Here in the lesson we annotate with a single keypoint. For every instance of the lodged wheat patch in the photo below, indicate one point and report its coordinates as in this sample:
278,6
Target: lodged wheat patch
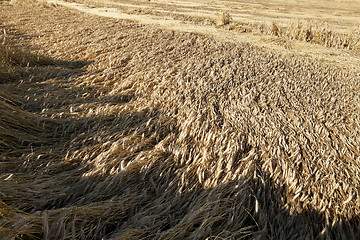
167,135
17,126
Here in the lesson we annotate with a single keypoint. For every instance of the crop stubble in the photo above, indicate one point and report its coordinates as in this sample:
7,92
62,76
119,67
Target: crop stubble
158,135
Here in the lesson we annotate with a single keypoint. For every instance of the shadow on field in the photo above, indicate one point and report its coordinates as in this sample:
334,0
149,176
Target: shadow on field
83,187
131,204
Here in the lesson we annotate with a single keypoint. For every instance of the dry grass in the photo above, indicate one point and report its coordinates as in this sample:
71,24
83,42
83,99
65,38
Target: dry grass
315,32
15,61
42,3
17,127
167,135
223,19
333,31
6,70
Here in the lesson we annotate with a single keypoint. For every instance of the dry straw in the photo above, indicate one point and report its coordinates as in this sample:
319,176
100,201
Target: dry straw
17,126
223,19
27,3
175,136
316,32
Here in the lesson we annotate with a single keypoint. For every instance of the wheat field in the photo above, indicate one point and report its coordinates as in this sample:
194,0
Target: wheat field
113,129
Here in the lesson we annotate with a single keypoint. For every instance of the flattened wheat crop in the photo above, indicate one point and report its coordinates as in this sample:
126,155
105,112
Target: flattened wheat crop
17,126
166,135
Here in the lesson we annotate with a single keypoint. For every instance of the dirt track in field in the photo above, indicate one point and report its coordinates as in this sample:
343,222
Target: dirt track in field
156,134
